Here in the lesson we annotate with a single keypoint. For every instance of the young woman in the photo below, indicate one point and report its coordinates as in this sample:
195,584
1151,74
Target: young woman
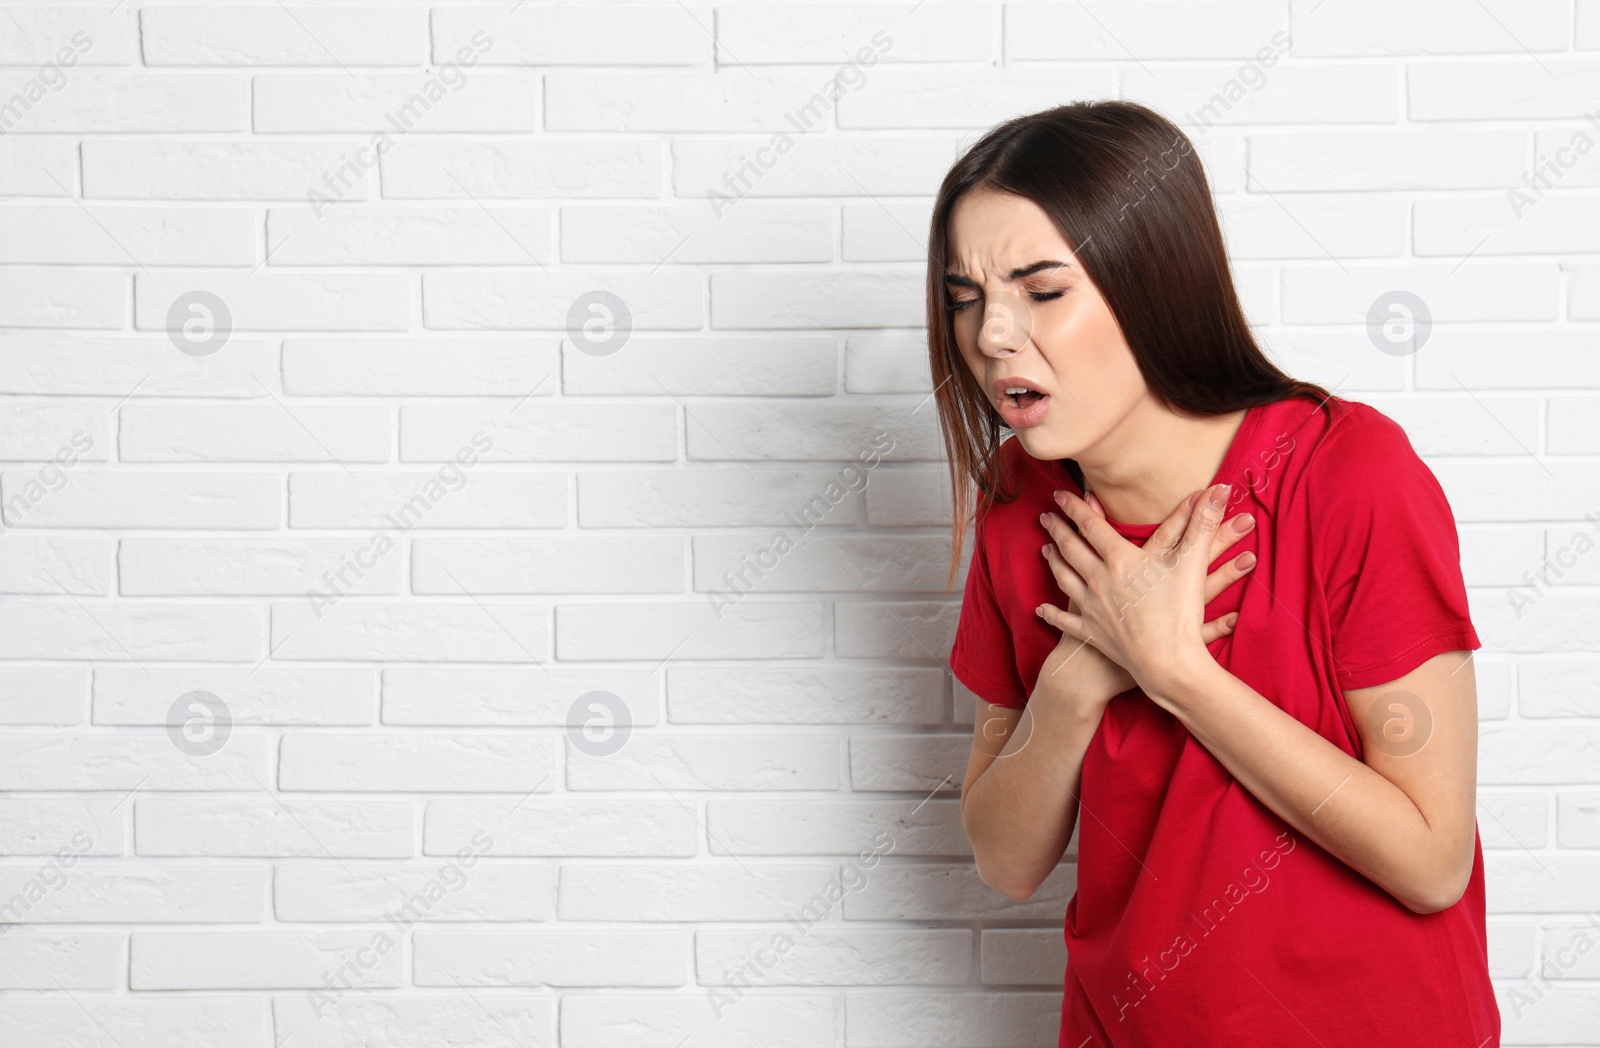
1216,617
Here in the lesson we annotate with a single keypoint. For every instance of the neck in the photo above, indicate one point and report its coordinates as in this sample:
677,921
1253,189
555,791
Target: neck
1153,459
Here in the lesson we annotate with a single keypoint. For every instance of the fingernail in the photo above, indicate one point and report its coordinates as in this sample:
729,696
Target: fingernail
1219,496
1242,523
1045,549
1044,518
1246,561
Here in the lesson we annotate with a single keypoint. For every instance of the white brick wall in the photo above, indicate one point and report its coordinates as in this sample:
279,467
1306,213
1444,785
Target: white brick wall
413,538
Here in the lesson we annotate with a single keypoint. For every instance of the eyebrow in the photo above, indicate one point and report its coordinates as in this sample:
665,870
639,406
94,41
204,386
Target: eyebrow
1015,274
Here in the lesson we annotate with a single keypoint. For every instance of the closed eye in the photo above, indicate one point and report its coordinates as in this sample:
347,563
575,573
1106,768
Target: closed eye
956,306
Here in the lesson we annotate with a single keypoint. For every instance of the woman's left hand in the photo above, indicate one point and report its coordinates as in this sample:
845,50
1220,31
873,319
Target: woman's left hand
1140,606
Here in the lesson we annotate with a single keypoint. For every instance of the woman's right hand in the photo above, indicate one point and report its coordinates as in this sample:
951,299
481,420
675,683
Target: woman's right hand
1086,678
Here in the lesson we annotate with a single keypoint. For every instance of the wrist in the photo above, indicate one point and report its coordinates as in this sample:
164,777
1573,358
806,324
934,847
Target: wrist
1066,703
1182,682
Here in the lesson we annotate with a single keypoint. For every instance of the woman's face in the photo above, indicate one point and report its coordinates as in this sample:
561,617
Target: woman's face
1027,315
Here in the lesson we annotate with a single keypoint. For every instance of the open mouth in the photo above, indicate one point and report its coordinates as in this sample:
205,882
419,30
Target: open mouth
1022,397
1021,406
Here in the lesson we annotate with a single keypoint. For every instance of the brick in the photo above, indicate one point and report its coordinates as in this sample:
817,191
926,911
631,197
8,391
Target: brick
189,169
379,236
404,896
256,695
259,567
504,170
704,762
701,232
656,632
52,566
283,301
258,829
447,497
469,631
551,957
126,499
173,1020
43,694
387,367
552,565
517,764
53,961
720,497
117,236
597,35
539,432
227,960
269,36
704,366
663,301
102,761
119,103
41,298
549,697
564,827
1428,159
46,826
127,631
54,365
272,432
395,104
803,695
1114,31
1550,88
838,34
39,34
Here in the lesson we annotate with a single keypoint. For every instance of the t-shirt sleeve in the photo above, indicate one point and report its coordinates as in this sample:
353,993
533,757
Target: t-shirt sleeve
1386,548
983,656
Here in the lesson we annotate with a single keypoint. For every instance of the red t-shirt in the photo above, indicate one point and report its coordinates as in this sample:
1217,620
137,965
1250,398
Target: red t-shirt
1200,916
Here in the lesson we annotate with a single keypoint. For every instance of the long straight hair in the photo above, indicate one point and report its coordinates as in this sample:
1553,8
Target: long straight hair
1127,191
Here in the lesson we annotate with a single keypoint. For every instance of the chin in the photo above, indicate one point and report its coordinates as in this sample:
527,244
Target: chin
1042,444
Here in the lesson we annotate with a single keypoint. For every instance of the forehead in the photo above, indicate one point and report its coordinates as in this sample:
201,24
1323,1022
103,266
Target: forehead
991,233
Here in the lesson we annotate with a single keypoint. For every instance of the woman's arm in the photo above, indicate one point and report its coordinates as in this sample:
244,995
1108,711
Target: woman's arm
1019,802
1406,818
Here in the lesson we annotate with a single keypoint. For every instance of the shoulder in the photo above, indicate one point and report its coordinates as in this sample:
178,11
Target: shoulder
1360,449
1368,490
1012,467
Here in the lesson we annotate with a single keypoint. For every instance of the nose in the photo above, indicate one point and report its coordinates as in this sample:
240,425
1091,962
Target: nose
1007,324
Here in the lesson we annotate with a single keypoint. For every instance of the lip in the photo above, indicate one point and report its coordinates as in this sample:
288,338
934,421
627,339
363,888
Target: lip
1016,417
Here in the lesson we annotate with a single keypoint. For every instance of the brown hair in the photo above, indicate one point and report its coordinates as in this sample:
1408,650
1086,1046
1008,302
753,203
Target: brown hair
1126,189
